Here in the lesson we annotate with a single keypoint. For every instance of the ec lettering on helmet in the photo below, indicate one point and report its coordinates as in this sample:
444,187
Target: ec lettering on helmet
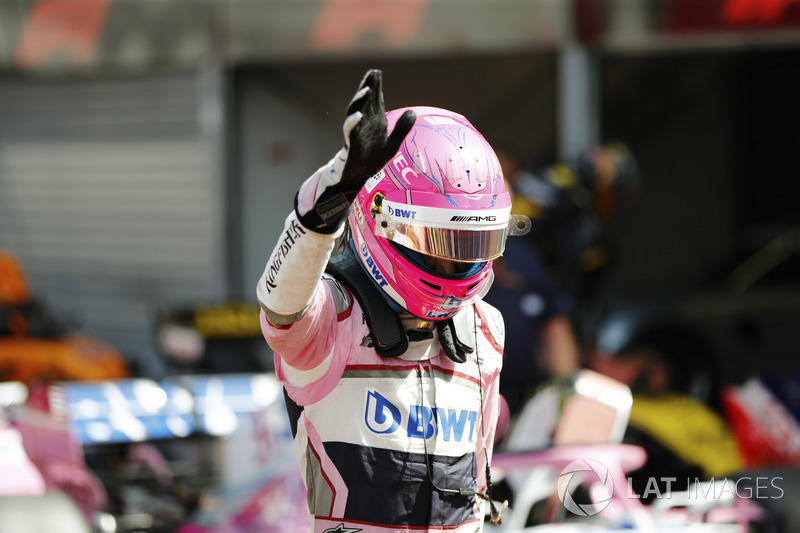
403,168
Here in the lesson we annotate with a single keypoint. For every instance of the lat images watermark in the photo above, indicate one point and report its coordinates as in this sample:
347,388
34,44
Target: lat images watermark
759,488
597,477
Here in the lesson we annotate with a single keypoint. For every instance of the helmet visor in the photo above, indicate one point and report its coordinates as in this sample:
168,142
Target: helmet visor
456,235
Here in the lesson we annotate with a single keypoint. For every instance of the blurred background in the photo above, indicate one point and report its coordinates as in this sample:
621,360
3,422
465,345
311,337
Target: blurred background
150,151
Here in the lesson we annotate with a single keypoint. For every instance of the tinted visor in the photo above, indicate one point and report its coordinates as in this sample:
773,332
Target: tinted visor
462,237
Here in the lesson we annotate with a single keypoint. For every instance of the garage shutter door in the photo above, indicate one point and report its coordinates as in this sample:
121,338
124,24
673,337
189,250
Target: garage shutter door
111,197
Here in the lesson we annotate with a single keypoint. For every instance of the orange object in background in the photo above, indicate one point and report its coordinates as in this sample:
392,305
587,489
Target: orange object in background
35,348
14,288
65,359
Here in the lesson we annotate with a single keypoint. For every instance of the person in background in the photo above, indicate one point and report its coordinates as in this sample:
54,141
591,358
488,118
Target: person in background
570,204
541,344
389,357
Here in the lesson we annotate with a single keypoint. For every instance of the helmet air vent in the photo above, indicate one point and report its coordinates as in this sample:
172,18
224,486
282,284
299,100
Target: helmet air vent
432,285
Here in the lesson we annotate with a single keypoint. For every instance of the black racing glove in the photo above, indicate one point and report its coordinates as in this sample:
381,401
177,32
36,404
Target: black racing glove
368,147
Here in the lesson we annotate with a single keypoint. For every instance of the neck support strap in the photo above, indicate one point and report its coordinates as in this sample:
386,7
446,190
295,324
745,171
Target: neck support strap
384,324
388,334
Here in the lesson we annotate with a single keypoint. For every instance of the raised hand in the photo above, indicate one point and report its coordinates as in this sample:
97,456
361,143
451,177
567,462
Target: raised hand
368,143
323,201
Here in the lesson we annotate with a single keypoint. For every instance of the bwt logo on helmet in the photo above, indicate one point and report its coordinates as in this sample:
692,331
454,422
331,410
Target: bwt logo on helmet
372,267
449,306
451,303
602,487
474,218
439,315
383,417
400,213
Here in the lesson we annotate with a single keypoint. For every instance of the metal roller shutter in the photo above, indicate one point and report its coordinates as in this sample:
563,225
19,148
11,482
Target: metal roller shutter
111,196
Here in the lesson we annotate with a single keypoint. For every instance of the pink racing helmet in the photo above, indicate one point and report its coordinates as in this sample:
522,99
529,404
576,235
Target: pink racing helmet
442,195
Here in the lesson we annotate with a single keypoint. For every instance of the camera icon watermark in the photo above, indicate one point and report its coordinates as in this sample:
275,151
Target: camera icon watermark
575,474
595,475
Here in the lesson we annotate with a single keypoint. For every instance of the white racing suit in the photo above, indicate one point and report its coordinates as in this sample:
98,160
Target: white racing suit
366,423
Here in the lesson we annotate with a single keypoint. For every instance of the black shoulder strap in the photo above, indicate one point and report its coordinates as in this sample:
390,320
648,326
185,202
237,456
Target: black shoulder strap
293,410
384,324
